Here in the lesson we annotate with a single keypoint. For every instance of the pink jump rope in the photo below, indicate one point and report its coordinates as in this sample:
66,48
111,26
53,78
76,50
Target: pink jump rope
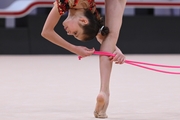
140,64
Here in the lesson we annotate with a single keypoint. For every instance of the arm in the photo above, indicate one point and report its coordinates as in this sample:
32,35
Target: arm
49,33
119,58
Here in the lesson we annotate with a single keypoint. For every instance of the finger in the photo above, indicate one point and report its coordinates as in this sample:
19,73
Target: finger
90,52
110,58
115,58
122,60
92,49
119,60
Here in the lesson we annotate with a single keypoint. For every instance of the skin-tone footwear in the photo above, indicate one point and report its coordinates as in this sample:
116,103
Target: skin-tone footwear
101,106
100,115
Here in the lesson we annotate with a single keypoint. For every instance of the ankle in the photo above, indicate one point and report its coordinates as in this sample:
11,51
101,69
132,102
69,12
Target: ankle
105,93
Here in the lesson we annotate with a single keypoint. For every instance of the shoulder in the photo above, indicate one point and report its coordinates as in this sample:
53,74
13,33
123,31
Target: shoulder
86,4
62,6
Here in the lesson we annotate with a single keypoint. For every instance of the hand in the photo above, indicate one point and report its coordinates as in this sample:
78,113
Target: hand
119,57
84,51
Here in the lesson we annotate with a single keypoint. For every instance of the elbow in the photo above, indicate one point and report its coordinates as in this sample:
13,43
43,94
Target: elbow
47,33
44,33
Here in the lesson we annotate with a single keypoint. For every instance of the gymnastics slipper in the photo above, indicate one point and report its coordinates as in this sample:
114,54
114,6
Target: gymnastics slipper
100,115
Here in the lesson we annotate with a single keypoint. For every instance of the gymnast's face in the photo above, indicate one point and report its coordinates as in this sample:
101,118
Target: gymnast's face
73,26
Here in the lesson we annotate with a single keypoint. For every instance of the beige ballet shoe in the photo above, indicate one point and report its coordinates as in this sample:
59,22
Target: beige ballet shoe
100,115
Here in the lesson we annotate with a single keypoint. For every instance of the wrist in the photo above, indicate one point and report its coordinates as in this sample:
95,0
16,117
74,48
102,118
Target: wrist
73,48
117,49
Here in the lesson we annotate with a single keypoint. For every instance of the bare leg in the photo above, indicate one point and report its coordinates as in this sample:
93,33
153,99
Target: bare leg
113,21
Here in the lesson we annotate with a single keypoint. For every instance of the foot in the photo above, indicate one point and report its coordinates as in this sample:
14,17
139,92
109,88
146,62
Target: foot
101,105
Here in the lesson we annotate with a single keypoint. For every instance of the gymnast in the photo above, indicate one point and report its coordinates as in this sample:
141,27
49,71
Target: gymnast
85,23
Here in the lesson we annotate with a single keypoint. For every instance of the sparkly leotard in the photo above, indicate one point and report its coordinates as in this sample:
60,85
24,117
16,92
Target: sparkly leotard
65,5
